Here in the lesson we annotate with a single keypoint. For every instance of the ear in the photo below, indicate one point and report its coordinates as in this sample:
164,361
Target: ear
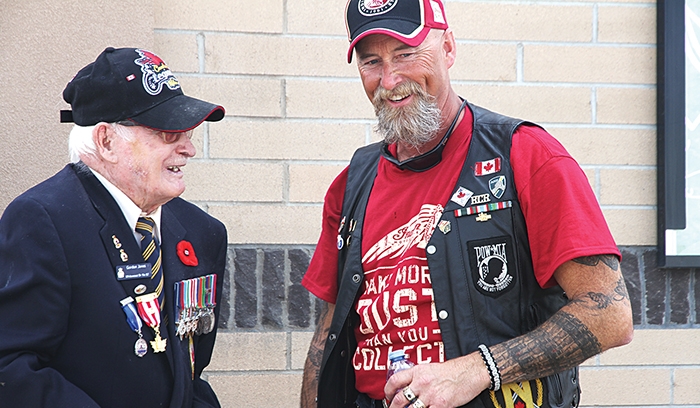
449,47
104,137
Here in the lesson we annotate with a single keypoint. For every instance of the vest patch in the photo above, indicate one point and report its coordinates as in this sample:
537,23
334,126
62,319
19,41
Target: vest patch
497,185
489,264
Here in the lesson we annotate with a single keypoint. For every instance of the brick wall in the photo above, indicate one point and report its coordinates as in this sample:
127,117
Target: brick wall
296,111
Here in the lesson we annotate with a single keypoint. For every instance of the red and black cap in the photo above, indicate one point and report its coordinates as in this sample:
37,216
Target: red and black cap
134,84
409,21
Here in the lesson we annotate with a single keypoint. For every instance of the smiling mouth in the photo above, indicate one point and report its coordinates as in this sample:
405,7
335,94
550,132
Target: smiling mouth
398,98
174,169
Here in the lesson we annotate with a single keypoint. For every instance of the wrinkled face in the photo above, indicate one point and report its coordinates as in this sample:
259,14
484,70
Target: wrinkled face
407,85
149,165
386,62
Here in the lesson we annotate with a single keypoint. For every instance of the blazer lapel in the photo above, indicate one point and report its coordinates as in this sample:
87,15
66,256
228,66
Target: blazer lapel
123,250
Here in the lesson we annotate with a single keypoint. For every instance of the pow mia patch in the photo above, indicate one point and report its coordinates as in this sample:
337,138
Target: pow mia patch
489,259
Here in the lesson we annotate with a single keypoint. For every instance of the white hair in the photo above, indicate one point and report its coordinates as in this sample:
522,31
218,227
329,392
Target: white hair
80,141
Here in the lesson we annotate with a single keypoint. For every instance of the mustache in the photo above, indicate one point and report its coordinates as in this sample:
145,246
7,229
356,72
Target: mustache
402,90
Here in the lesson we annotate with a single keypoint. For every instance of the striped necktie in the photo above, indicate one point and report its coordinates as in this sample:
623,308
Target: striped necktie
151,254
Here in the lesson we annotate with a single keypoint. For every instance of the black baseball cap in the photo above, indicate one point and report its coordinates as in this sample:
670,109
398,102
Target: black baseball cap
409,21
134,84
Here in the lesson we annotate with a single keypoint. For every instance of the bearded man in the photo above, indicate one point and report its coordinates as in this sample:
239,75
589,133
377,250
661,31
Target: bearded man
469,240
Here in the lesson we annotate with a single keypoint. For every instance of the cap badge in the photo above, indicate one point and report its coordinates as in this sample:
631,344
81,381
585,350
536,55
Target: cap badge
155,73
370,8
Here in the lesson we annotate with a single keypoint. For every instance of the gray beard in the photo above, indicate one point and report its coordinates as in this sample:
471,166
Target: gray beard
415,124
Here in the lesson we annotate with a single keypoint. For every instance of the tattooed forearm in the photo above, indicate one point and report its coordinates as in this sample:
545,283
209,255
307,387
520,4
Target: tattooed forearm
312,366
560,343
609,260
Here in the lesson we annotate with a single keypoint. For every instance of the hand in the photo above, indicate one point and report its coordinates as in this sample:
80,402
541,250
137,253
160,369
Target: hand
440,385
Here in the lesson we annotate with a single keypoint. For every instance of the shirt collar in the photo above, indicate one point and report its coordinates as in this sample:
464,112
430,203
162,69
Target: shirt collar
130,210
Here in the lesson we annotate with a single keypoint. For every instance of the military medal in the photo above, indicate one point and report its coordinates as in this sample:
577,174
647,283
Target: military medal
149,310
132,317
195,300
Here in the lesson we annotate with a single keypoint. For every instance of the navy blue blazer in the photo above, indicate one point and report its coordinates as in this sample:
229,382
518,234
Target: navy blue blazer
64,339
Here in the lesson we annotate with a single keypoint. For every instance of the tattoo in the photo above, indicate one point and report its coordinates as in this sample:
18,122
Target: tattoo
621,291
601,300
560,343
312,367
609,260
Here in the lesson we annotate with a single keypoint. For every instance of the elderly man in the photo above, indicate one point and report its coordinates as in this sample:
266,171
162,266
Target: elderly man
467,239
108,281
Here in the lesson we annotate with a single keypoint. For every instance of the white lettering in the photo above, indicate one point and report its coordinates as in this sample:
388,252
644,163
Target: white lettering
418,334
362,309
483,252
419,353
399,308
400,276
413,274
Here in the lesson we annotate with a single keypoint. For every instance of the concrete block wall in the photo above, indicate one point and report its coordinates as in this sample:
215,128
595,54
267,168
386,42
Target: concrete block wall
584,69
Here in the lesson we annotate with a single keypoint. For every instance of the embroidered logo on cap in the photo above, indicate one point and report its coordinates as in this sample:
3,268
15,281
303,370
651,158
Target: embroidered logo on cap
437,12
375,7
155,73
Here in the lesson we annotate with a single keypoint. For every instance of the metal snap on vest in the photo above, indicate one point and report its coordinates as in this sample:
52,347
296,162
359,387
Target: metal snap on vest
332,337
443,314
431,249
342,353
356,278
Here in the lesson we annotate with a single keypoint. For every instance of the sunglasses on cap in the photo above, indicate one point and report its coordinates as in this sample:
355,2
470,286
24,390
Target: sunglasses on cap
168,137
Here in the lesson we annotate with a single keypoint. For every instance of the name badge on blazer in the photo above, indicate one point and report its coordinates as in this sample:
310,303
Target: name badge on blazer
134,271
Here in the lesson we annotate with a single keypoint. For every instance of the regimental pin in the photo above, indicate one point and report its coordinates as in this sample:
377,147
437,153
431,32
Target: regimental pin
340,242
123,255
445,226
117,243
483,217
342,224
140,289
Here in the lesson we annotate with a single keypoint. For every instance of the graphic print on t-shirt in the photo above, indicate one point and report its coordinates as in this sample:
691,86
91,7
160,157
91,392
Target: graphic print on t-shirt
396,307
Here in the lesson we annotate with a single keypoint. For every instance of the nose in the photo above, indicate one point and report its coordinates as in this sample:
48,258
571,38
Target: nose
185,147
390,78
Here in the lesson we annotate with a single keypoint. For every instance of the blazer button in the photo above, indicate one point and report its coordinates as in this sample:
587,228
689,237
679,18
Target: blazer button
356,278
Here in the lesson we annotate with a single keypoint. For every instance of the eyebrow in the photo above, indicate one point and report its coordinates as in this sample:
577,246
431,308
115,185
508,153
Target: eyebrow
362,55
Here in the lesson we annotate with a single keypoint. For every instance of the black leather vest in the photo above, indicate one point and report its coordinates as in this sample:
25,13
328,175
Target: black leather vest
480,265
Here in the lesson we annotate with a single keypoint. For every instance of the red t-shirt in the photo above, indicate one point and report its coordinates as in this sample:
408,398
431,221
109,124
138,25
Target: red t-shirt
396,306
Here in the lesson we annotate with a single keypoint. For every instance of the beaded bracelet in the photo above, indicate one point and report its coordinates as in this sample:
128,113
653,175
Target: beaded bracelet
494,374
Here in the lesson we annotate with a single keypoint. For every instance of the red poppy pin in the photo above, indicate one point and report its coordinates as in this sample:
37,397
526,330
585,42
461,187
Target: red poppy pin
186,253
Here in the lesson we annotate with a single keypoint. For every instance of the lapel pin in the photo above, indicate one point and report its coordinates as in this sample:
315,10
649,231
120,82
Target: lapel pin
117,243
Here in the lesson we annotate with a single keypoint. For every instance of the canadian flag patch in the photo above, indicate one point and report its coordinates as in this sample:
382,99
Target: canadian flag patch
484,168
